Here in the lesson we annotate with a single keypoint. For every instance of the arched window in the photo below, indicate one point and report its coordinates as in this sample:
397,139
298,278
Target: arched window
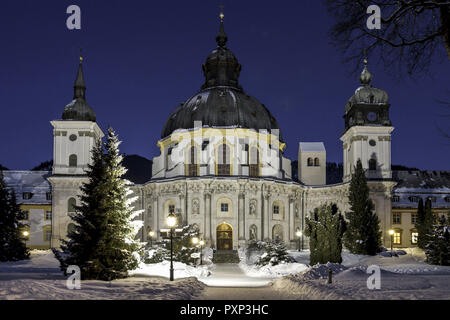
223,166
73,160
372,164
277,210
71,228
192,166
316,162
310,162
71,203
277,232
254,162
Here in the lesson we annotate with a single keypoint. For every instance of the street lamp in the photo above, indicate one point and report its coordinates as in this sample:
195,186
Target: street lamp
391,233
300,238
202,243
151,234
26,234
171,223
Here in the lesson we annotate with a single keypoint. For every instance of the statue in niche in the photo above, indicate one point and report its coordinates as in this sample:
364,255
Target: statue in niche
253,232
253,205
195,206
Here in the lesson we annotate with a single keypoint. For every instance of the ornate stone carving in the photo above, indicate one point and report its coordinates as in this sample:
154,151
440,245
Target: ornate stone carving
195,187
223,188
195,206
253,206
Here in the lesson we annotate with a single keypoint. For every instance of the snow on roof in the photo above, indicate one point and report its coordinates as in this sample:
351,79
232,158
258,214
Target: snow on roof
34,182
415,184
312,147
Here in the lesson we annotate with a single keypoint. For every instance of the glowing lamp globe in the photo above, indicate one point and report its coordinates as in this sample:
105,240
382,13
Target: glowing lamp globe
195,240
171,220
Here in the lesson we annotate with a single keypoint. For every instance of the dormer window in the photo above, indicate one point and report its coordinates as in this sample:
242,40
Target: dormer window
27,195
395,198
414,199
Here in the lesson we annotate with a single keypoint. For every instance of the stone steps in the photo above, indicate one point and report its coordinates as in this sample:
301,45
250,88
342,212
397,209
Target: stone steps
225,256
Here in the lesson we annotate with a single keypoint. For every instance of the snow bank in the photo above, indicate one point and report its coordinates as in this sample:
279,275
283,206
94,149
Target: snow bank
162,269
40,278
279,270
248,266
318,271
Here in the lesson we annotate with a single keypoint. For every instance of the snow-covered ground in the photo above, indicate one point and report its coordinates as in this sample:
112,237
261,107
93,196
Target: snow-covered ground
41,279
406,276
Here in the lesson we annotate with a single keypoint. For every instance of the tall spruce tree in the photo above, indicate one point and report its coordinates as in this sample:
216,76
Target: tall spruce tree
363,235
12,241
425,222
102,244
325,228
437,248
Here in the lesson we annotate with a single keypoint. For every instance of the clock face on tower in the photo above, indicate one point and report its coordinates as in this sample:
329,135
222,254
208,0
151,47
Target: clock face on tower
371,116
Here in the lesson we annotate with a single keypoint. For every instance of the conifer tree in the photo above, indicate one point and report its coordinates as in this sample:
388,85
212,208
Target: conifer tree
325,228
437,248
275,252
183,246
425,221
102,244
12,242
363,235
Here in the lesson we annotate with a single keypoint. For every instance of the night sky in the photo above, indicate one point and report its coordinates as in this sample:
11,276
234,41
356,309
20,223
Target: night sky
143,58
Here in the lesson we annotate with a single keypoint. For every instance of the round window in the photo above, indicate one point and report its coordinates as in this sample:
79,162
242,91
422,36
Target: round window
73,137
372,143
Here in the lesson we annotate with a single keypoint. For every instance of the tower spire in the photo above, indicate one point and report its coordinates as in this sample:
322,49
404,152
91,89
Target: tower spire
365,77
221,38
79,86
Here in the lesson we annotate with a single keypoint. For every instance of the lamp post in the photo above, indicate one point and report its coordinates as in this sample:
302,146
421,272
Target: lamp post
195,242
151,234
299,235
391,233
171,222
202,243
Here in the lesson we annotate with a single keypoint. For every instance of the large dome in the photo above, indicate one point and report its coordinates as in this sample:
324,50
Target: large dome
221,102
221,107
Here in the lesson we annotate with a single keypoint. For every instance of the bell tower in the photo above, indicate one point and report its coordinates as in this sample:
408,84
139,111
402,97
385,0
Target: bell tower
74,136
368,129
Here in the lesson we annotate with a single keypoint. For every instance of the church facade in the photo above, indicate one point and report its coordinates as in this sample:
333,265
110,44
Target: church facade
222,166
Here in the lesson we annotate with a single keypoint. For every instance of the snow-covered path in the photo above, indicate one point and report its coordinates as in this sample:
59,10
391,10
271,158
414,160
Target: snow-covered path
231,275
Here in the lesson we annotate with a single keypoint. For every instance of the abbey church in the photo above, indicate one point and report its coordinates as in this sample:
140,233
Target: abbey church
222,167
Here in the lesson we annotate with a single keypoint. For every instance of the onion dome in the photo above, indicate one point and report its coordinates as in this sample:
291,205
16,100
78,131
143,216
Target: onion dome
221,102
78,109
369,106
366,94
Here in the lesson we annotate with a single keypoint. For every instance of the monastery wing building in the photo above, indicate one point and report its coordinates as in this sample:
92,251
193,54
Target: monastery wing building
222,166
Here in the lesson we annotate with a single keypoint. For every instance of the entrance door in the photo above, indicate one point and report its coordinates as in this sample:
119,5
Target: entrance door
224,237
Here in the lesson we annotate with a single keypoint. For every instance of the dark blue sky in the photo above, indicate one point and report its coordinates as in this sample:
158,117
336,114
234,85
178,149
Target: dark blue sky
143,58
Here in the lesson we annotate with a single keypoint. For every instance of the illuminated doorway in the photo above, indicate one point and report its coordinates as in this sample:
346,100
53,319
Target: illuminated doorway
224,237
